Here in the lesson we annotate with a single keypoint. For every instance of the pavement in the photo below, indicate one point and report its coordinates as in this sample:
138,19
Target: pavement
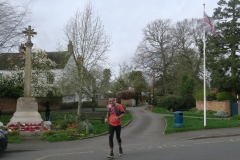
30,143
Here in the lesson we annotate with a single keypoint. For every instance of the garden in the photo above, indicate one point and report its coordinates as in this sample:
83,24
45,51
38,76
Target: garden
64,127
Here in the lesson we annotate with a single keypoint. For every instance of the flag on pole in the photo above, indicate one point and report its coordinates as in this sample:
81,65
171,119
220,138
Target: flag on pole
207,25
209,28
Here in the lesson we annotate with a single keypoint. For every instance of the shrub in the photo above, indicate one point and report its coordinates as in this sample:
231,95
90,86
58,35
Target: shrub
87,104
176,102
12,133
236,117
225,96
221,114
200,95
126,94
193,110
49,133
70,120
4,128
187,86
171,102
210,112
211,97
188,103
83,126
70,105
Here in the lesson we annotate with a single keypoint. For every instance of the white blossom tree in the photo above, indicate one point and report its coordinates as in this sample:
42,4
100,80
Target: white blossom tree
90,45
41,69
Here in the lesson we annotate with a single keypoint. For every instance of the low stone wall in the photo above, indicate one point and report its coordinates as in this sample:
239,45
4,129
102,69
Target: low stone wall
215,106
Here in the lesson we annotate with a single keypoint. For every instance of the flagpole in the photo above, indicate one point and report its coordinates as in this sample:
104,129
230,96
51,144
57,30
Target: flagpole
204,73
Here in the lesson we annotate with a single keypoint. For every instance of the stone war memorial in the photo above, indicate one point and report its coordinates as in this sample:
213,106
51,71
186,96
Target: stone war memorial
27,106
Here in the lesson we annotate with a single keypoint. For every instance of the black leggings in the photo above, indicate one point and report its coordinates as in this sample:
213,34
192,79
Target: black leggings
111,134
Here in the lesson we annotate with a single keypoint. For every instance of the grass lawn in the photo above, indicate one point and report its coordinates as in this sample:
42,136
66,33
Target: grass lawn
62,132
196,123
191,124
185,113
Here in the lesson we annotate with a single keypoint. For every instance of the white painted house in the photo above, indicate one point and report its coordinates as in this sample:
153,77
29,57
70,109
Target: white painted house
64,60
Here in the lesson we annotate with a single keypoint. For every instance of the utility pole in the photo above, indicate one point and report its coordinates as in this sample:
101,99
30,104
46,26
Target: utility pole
153,81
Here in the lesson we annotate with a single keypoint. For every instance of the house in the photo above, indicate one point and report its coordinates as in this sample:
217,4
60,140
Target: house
59,77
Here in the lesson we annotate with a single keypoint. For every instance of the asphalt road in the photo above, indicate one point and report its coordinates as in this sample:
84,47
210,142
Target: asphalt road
142,140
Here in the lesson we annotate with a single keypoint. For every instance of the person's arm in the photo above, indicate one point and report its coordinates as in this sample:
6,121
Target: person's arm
107,115
122,114
106,119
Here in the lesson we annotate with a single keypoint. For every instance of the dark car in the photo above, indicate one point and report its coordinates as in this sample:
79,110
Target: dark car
3,140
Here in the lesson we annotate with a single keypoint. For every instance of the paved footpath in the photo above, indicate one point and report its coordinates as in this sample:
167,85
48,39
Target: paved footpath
157,126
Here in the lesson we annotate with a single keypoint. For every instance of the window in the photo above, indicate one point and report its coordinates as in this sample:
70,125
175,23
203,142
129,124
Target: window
50,78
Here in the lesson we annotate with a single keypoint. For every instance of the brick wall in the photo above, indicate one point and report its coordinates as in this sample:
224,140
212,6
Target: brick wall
10,104
215,106
102,102
126,102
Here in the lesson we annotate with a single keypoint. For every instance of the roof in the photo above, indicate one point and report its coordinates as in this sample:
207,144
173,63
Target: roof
8,60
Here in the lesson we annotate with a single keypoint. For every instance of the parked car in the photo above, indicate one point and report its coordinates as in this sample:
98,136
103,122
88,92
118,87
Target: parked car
3,140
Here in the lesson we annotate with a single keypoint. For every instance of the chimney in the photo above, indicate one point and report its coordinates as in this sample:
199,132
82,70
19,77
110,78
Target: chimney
79,59
22,49
70,47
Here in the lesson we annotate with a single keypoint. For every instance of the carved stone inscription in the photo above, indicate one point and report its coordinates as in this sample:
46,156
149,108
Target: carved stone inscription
27,104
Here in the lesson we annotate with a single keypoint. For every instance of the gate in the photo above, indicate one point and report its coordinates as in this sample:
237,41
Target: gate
234,109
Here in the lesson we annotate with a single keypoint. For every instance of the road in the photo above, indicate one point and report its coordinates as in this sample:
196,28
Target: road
142,140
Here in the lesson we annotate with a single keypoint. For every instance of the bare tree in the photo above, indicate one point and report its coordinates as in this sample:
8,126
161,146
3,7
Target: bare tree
170,51
90,43
156,51
187,34
124,71
12,23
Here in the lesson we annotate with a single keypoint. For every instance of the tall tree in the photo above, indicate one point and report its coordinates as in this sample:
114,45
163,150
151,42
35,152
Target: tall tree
90,43
124,70
223,58
12,23
187,34
138,82
119,85
104,81
156,51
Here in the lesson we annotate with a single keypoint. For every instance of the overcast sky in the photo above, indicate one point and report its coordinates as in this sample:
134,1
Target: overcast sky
123,20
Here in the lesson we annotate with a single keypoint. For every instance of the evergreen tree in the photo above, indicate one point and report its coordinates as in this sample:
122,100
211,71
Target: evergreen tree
137,81
222,59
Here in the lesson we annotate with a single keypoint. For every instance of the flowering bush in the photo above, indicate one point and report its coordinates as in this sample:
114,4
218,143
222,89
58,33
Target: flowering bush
72,125
221,114
26,127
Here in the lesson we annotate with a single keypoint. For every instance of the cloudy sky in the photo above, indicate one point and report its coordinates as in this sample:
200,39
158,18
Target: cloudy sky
123,20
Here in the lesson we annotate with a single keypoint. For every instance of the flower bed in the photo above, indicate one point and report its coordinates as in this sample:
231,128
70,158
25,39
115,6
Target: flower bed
32,127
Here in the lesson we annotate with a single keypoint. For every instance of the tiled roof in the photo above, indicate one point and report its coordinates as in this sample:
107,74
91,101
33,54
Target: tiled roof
8,60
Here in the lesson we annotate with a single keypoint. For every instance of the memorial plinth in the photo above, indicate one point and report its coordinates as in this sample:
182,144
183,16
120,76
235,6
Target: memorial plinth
26,111
27,106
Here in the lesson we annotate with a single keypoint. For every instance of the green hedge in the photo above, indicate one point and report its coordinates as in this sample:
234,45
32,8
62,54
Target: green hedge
225,96
71,105
176,102
126,94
